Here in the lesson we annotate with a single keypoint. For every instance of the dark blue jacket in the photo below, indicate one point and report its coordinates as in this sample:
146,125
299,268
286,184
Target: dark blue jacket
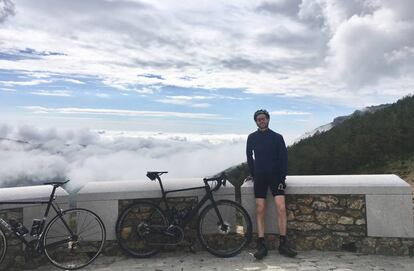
270,154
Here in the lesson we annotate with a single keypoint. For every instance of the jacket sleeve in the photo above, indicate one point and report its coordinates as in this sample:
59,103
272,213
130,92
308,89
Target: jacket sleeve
283,154
249,154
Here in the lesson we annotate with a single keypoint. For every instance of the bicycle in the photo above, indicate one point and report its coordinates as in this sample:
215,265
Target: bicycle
70,240
224,227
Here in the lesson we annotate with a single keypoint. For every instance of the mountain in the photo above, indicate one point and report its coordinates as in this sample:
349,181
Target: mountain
341,119
379,139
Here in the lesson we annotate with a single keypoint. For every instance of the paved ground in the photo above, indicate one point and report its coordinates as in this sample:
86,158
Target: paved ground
311,260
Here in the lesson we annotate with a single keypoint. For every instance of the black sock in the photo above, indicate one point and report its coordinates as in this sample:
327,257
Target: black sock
282,239
260,240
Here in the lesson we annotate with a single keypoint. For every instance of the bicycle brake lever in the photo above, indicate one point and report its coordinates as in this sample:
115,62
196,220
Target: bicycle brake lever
151,176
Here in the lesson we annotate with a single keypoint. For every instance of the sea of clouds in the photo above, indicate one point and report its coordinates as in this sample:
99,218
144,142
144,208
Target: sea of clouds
31,155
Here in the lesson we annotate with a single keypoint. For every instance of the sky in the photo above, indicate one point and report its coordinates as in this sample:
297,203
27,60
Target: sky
197,69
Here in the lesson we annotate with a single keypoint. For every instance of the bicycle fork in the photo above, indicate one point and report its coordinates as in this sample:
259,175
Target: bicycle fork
222,226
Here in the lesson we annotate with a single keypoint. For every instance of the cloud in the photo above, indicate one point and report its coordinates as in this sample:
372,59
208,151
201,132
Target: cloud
194,101
183,102
37,155
73,81
28,53
25,83
119,112
7,9
57,93
289,112
102,95
364,37
153,76
310,48
283,7
186,100
8,89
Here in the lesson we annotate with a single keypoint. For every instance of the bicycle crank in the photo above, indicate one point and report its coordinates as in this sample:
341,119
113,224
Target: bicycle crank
172,235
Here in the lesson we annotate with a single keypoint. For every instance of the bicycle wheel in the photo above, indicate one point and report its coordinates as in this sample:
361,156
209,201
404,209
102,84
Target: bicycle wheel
134,228
74,239
3,245
224,239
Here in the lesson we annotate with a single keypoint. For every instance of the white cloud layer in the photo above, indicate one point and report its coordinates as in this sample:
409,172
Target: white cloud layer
344,50
31,155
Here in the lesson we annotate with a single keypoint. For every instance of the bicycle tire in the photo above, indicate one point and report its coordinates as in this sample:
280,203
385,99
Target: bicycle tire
230,240
88,244
131,233
3,245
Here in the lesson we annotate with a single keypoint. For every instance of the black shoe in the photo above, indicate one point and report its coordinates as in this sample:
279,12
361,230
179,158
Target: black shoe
287,250
260,252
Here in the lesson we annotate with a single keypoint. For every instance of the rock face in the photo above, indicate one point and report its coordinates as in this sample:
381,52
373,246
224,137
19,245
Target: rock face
327,218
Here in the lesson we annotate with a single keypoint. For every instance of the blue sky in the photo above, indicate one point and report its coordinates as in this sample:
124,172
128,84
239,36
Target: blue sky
205,67
64,101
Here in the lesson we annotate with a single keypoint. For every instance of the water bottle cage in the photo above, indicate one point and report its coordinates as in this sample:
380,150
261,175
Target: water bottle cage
18,227
35,227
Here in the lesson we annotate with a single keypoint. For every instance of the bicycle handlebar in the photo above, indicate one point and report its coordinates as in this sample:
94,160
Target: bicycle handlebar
57,184
221,181
152,175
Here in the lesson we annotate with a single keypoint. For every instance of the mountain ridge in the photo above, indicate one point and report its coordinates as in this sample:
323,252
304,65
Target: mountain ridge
340,119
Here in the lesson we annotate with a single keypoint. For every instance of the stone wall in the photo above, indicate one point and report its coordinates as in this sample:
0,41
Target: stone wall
335,222
326,222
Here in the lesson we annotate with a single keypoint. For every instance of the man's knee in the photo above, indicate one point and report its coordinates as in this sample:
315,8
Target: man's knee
281,209
280,205
260,208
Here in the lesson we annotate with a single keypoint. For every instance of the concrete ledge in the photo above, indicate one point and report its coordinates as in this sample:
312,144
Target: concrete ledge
30,193
384,184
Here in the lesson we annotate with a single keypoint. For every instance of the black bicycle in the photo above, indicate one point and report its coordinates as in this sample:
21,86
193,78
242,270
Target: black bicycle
70,240
224,227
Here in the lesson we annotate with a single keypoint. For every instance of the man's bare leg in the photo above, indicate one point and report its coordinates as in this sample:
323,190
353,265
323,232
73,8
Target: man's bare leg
260,214
281,214
284,246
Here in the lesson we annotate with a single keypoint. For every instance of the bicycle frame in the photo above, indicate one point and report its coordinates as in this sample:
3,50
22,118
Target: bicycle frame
50,204
194,210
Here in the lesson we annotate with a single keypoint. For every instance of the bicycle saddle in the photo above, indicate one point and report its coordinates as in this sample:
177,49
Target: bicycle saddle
154,174
57,184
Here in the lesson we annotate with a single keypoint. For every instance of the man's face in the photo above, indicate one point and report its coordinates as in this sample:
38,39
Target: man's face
262,121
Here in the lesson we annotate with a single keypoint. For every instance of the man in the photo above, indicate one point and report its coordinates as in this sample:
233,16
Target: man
268,170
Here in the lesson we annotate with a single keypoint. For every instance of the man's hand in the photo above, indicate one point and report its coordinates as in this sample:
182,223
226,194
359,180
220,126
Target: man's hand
248,179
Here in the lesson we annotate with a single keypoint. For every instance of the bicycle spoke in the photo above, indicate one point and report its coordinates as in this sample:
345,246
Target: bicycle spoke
228,236
135,226
3,245
78,250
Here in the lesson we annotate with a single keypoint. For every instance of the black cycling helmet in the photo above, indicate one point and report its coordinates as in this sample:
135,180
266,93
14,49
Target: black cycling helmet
261,111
